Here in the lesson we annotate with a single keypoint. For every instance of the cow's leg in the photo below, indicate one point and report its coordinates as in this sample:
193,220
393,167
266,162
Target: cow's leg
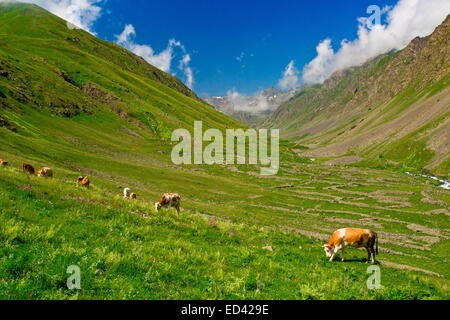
372,251
177,207
343,254
368,255
334,253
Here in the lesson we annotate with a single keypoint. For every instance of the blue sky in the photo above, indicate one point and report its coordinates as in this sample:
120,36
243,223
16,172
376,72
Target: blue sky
232,47
266,34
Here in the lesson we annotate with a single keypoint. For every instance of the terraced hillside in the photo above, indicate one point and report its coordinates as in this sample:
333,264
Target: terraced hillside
239,236
394,108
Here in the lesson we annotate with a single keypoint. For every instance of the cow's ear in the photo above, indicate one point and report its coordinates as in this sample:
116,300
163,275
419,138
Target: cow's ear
324,246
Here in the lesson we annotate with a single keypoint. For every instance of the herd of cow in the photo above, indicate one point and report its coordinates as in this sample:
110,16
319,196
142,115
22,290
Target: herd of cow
168,200
339,241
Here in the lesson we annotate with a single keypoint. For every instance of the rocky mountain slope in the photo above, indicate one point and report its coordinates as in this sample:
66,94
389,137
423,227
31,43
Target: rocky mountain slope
394,108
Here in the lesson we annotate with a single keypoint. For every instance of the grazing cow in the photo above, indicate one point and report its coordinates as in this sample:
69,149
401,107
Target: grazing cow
169,200
133,196
84,181
352,237
126,193
45,172
28,168
3,162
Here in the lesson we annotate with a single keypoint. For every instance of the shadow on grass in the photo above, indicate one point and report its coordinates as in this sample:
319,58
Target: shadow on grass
363,260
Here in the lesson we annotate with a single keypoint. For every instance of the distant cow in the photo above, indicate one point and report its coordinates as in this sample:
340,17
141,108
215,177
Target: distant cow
45,172
126,193
169,200
84,181
352,237
3,162
28,168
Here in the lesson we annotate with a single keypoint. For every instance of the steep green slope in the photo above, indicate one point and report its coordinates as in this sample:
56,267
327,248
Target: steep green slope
395,107
46,65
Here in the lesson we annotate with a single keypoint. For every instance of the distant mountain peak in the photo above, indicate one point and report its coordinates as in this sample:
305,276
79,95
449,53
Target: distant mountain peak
252,109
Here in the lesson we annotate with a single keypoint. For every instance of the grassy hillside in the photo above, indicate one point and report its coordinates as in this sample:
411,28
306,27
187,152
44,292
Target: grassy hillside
46,65
393,108
214,249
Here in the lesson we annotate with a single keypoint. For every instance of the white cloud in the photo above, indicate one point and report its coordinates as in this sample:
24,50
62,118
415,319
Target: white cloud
321,67
162,60
126,34
188,73
290,77
81,13
253,104
405,21
261,101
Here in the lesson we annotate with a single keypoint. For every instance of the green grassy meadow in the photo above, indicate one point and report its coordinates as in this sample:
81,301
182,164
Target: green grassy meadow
127,251
214,249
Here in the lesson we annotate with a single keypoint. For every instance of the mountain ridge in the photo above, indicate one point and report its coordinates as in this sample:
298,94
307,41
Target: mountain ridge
377,110
135,64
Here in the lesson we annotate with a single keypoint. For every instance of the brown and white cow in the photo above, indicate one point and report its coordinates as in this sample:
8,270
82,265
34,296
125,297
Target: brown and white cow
352,237
45,172
126,193
28,168
84,181
169,200
3,162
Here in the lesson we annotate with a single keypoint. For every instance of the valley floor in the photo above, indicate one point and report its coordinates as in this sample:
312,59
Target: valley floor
215,248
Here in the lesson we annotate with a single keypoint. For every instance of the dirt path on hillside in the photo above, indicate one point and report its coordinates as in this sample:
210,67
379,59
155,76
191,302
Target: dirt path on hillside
406,267
343,161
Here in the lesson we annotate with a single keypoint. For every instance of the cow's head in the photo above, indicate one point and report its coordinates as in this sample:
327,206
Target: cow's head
328,250
157,206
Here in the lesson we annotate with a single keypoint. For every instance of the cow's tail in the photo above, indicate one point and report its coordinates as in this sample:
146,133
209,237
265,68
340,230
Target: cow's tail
376,245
